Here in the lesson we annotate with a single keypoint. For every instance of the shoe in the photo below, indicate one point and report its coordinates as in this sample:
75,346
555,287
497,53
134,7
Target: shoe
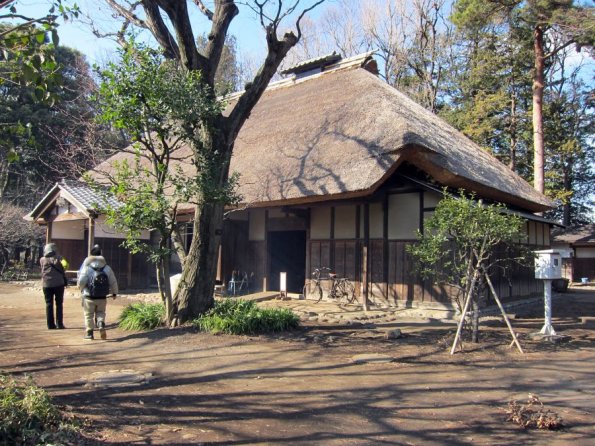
52,327
61,327
102,333
89,336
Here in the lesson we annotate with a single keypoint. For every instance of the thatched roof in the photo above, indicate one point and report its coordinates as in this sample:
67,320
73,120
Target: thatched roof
583,235
341,133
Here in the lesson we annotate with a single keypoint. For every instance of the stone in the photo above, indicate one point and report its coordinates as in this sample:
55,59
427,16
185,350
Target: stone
368,358
393,334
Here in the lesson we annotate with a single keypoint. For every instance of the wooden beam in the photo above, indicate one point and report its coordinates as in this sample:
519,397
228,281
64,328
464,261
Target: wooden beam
366,257
91,235
48,232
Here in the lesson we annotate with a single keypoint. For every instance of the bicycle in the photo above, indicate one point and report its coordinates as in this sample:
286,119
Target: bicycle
341,288
239,283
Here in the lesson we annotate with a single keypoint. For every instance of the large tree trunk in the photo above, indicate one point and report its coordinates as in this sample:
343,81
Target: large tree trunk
538,86
195,291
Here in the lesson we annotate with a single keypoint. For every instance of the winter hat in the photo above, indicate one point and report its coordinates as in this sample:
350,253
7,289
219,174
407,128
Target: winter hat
49,250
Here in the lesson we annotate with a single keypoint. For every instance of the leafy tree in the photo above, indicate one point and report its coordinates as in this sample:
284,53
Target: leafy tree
489,89
546,18
214,137
162,106
26,49
568,126
41,142
462,243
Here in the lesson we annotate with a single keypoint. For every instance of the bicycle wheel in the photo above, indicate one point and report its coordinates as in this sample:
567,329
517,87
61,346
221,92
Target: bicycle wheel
347,291
312,291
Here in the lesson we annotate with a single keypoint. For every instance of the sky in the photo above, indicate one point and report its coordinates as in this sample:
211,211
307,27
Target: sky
75,34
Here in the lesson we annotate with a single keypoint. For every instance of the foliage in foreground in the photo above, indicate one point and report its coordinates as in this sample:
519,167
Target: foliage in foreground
237,316
533,415
27,415
141,316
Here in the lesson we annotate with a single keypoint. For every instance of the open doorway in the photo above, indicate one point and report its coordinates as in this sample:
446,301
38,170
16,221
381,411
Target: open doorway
287,253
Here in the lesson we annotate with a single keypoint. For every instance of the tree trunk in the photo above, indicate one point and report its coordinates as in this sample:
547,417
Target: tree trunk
567,186
475,320
195,291
538,86
513,134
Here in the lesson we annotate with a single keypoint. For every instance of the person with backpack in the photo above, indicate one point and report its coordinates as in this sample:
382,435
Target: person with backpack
53,281
96,280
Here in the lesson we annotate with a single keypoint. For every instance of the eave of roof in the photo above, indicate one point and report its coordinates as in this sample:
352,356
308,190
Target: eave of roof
77,193
341,133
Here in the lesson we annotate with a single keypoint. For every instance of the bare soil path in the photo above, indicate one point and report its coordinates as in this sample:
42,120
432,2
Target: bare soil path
303,387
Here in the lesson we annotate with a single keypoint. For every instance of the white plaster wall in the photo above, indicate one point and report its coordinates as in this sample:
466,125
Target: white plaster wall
238,215
69,230
376,220
585,253
320,223
431,199
532,233
103,230
539,233
256,225
403,216
345,222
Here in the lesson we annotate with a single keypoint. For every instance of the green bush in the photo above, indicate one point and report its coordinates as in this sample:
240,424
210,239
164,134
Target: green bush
237,316
141,316
27,415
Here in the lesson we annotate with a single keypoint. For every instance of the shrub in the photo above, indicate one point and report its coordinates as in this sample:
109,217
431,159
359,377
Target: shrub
27,415
141,316
237,316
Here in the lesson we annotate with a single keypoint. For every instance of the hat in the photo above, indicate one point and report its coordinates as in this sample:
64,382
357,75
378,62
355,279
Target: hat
50,249
96,250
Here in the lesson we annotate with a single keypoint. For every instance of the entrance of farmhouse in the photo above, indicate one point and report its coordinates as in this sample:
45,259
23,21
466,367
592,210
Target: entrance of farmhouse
287,253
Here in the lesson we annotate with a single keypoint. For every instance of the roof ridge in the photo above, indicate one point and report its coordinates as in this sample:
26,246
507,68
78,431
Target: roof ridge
353,62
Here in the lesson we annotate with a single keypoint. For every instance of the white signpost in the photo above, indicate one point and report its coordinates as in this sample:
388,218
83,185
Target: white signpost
548,267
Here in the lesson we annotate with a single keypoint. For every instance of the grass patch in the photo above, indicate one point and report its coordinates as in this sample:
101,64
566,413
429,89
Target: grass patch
141,316
28,416
237,316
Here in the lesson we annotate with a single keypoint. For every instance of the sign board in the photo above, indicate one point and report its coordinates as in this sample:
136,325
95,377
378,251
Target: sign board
548,264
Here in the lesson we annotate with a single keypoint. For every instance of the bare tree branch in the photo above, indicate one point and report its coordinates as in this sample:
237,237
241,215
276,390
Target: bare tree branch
206,11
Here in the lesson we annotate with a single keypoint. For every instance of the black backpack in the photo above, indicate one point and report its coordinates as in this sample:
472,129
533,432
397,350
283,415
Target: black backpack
98,283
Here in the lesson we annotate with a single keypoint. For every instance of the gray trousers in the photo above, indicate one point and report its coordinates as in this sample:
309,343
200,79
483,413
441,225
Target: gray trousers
94,310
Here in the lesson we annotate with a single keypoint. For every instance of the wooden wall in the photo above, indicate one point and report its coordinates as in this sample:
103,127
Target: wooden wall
132,271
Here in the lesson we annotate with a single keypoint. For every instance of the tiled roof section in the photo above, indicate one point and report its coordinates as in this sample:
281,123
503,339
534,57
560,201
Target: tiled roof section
310,64
90,198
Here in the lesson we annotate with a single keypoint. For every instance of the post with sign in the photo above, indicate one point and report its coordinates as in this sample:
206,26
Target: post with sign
548,267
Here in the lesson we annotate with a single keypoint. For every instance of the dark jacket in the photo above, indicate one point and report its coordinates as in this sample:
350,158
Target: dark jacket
52,272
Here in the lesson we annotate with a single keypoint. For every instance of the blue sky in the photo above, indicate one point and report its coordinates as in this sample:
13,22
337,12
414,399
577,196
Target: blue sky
78,35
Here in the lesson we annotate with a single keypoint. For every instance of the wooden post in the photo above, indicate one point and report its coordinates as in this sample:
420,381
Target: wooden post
91,235
464,312
48,232
514,338
366,257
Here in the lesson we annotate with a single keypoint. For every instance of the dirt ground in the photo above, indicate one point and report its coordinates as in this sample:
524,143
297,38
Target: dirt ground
303,387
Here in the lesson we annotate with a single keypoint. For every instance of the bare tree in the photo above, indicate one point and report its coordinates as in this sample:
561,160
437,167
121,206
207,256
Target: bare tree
169,21
411,38
15,232
414,40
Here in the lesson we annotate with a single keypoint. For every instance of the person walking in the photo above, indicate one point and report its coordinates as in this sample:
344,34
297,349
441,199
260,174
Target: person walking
96,280
53,281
